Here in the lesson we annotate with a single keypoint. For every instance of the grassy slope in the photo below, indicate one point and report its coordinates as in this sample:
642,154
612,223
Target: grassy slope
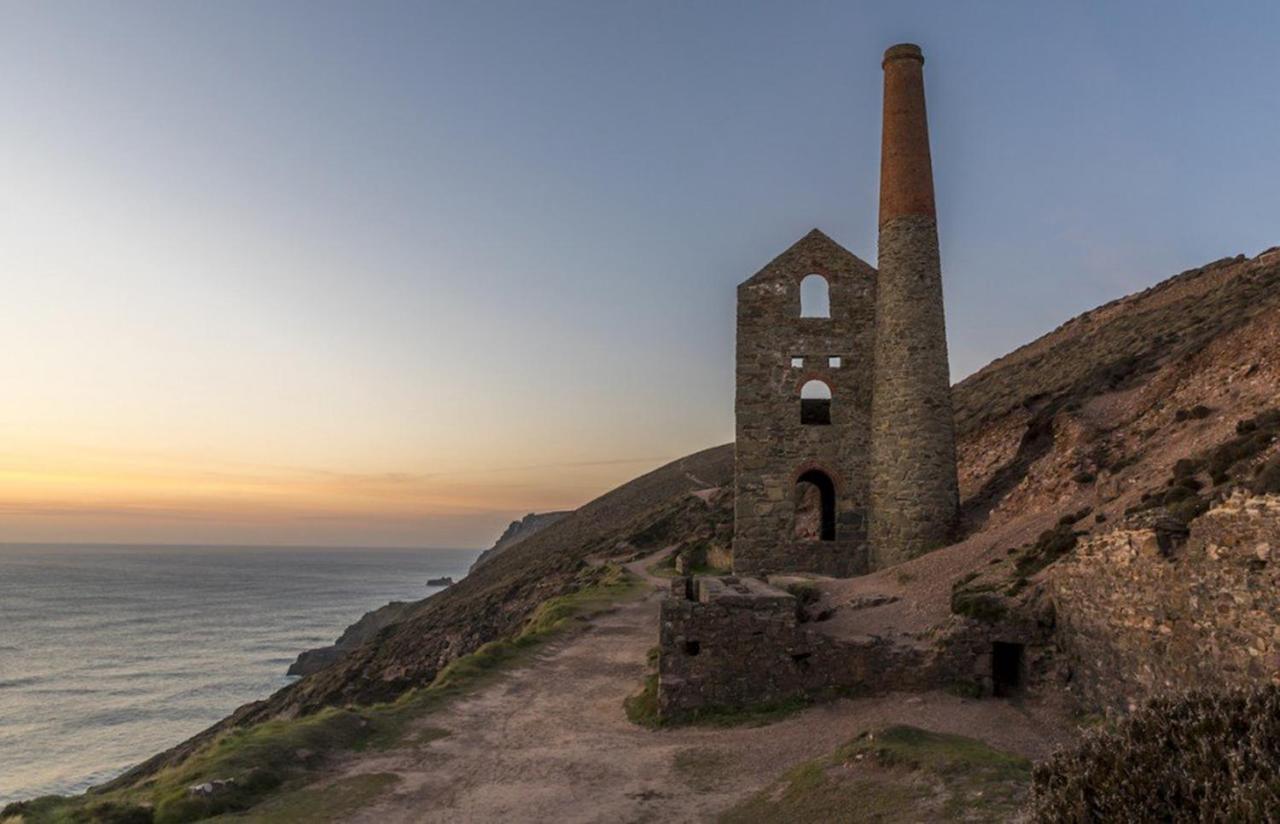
277,758
491,603
900,773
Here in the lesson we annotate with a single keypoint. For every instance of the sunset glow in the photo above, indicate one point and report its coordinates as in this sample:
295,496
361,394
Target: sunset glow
286,273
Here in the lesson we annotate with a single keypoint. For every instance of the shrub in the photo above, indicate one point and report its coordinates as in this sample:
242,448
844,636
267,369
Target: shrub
1049,547
1203,756
977,602
806,595
1267,480
1197,412
52,808
1190,483
1074,517
1252,437
987,607
1187,468
1188,509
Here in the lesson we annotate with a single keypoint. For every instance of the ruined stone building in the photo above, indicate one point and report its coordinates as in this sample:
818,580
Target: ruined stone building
845,455
801,462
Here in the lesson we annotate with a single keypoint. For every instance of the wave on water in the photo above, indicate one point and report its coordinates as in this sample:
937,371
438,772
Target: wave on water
116,653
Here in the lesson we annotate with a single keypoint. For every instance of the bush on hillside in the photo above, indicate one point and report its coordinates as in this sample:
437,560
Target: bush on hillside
1203,756
1267,481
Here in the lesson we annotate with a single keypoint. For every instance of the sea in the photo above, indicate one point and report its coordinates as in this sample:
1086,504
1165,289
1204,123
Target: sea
110,654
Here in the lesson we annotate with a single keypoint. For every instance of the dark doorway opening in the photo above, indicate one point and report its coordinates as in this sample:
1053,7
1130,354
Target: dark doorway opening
815,502
815,411
692,647
815,403
1006,669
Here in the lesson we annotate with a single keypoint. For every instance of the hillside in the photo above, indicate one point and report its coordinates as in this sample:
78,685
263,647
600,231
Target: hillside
518,531
496,599
1091,418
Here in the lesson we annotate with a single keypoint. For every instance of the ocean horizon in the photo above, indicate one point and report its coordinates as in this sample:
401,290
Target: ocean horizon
110,653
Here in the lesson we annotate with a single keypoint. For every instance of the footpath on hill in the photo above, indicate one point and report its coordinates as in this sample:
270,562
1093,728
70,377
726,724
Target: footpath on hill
551,742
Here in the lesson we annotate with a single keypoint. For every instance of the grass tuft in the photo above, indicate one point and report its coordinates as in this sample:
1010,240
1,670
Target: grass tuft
900,773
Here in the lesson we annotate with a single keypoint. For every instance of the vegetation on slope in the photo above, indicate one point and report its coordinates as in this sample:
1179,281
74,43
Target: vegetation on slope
1110,347
493,602
244,766
900,773
1114,348
1198,757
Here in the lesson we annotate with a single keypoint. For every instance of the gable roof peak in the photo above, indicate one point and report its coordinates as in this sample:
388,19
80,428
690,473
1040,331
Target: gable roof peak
814,243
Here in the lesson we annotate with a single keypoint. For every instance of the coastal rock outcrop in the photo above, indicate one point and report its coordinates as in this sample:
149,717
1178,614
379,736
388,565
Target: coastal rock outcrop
359,633
517,531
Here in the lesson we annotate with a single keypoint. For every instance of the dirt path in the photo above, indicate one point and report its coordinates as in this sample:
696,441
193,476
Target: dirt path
550,742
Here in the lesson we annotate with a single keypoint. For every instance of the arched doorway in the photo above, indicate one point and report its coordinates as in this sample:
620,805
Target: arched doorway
815,507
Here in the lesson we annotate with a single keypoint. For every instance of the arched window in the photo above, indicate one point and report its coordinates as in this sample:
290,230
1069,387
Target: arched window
815,300
815,403
815,501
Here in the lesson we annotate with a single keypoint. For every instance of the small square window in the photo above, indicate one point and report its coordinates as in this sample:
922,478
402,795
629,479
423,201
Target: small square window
797,363
834,362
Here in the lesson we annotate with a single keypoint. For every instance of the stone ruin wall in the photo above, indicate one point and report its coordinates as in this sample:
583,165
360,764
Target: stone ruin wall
732,643
1135,620
772,446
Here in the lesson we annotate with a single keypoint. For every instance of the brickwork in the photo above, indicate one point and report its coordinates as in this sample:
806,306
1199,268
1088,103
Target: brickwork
914,488
773,447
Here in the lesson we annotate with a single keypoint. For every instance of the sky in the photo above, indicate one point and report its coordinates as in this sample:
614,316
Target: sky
369,274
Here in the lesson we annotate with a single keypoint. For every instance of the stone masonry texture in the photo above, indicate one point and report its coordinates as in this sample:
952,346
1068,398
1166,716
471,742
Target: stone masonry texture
1135,620
914,487
732,643
773,447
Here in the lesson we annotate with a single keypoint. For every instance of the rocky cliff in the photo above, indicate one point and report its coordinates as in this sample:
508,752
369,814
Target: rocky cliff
371,623
517,531
354,636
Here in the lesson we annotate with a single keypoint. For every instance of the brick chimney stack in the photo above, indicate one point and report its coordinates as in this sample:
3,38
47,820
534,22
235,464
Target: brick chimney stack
914,490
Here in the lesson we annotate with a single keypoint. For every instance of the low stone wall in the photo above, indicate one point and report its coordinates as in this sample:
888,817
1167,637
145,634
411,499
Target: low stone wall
729,643
1136,619
962,654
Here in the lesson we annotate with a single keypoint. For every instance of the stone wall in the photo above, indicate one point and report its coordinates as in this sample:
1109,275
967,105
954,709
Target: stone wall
773,447
1135,619
731,643
737,642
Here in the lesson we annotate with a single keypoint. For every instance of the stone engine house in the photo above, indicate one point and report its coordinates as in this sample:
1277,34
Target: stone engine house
845,455
844,459
803,410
